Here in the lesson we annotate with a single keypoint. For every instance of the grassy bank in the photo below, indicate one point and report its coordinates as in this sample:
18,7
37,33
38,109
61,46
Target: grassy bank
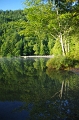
62,63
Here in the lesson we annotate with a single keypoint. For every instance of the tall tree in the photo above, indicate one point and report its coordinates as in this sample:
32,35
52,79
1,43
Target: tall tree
45,16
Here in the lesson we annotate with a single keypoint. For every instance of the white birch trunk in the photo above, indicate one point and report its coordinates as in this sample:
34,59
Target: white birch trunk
62,44
68,46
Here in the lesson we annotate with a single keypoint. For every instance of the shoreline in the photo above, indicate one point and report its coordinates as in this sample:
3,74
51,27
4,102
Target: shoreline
39,56
75,70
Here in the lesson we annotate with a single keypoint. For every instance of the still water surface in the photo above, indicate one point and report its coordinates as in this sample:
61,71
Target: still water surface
31,91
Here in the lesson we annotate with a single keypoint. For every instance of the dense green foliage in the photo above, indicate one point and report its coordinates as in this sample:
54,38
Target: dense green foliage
42,28
62,63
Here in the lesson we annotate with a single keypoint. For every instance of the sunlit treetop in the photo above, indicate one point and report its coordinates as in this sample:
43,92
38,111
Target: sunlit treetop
31,3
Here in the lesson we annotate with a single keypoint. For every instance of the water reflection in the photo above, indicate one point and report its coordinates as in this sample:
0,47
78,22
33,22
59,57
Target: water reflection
11,111
29,90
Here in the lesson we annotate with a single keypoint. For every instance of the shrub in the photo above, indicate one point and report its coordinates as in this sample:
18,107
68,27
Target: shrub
61,62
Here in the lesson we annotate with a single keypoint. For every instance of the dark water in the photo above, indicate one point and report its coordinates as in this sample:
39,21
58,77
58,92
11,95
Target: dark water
31,91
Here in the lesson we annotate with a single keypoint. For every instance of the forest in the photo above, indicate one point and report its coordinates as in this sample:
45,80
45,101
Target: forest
44,27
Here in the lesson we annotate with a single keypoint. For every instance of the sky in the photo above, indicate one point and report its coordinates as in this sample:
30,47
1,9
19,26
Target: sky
11,4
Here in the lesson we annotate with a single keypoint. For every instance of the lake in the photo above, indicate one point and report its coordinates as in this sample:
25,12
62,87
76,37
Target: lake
31,91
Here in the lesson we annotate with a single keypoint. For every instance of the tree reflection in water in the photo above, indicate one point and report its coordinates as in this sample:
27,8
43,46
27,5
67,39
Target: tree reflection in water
48,94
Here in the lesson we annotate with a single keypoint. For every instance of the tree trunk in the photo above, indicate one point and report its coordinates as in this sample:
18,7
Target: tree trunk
68,46
62,44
